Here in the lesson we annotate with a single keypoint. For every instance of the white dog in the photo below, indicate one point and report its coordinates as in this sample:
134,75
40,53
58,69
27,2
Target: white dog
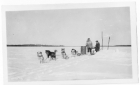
64,55
93,51
40,56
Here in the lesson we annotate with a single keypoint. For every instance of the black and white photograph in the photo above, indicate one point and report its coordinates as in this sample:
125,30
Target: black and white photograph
70,42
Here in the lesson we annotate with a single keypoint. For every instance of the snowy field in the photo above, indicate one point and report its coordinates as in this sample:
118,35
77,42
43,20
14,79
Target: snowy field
23,65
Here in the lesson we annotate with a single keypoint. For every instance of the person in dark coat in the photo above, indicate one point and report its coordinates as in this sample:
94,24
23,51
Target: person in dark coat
97,46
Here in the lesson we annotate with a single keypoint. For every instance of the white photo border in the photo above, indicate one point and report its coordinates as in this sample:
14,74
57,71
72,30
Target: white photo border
134,43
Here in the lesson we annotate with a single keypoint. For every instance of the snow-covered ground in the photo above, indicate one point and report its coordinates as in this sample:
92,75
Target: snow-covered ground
23,65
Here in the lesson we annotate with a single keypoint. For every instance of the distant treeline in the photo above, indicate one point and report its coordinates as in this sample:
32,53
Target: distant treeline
39,45
34,45
123,45
117,46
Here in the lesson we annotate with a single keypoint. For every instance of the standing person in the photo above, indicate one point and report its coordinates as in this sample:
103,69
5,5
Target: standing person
89,45
97,46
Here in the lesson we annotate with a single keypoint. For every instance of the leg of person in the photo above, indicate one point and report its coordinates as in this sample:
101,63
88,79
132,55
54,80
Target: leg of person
90,51
96,49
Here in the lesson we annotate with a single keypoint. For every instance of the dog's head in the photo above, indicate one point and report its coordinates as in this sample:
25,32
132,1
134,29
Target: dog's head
39,53
72,50
47,51
55,51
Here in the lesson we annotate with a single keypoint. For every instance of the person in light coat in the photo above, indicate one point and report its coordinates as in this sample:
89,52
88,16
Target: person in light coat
89,45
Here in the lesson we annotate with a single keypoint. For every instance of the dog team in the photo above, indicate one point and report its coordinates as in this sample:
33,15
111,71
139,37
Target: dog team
52,55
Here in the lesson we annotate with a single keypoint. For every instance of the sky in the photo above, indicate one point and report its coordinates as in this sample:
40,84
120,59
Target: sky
69,27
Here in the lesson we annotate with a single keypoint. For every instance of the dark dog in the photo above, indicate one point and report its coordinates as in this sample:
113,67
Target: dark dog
40,56
47,53
51,54
64,55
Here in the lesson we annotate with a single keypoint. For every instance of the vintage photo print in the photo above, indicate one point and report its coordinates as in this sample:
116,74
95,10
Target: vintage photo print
70,43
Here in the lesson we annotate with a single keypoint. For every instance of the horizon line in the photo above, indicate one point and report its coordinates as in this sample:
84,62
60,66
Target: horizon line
39,45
